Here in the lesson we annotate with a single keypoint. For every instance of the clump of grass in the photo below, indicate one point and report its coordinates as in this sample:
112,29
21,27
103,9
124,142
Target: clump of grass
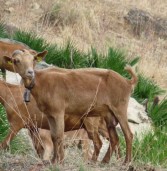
114,60
158,114
32,40
67,56
3,33
150,149
146,89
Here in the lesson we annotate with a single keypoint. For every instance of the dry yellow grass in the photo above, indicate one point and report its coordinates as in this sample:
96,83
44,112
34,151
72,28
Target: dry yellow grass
95,23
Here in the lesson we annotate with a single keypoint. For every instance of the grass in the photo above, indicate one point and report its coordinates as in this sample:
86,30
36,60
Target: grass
68,56
146,89
19,143
159,114
152,148
3,124
3,33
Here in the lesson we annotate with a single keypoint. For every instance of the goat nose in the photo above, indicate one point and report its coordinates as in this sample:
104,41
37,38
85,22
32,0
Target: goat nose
30,73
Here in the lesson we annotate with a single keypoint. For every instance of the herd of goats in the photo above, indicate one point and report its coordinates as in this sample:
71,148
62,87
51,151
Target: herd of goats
53,102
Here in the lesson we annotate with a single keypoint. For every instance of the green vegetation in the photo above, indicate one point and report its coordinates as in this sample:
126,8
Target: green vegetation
152,147
158,114
3,33
3,123
146,89
18,145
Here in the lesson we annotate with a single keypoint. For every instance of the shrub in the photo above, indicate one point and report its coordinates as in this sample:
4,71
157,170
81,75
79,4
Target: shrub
146,89
158,114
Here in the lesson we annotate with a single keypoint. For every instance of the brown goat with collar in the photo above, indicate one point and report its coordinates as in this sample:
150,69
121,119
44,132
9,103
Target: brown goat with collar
81,92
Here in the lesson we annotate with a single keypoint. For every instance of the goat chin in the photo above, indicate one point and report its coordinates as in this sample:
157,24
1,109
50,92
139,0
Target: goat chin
29,83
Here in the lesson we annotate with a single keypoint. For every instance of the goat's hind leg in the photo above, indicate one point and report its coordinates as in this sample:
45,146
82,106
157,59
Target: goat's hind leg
121,116
114,139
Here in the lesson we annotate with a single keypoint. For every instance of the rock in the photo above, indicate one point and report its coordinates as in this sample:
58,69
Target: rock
42,65
9,10
13,78
143,22
138,119
35,6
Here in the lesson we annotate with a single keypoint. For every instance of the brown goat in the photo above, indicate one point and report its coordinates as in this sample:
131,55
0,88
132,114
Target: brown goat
29,116
81,92
7,46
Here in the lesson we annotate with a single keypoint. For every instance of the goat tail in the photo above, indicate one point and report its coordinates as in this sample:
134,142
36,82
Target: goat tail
134,78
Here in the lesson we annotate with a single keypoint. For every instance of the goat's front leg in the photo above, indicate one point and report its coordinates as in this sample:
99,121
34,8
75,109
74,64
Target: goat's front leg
56,123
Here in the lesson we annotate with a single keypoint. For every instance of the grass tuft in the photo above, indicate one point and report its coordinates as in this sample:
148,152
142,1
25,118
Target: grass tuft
146,89
3,33
158,114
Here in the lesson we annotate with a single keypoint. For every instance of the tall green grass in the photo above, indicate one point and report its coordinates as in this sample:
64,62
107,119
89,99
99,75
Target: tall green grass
146,89
158,114
3,33
151,148
3,123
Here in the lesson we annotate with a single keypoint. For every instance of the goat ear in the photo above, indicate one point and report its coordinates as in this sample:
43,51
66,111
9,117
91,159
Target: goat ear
7,60
40,56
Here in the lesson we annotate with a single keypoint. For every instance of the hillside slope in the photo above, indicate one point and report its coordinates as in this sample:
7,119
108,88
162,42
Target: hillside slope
93,23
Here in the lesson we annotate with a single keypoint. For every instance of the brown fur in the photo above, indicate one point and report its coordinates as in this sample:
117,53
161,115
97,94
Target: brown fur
7,46
81,92
29,116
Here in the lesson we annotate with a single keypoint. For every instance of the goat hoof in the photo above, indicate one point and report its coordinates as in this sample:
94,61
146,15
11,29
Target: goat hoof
126,162
105,161
46,162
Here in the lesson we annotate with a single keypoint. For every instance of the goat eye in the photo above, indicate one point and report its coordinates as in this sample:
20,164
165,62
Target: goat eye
17,61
